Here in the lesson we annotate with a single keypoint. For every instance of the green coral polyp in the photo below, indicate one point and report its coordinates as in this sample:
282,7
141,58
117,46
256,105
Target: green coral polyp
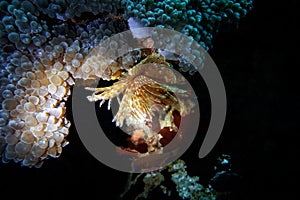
203,18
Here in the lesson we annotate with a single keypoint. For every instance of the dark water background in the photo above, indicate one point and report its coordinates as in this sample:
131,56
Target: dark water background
258,64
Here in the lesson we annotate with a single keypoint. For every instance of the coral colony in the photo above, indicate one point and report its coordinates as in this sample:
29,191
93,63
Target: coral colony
44,44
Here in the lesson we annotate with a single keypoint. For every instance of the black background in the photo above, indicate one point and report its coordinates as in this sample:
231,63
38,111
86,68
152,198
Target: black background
258,64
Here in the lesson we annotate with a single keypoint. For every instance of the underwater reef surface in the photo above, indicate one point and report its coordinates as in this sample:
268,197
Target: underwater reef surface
44,42
44,45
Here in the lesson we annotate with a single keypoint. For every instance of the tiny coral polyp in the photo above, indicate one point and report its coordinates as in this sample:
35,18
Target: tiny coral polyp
152,104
